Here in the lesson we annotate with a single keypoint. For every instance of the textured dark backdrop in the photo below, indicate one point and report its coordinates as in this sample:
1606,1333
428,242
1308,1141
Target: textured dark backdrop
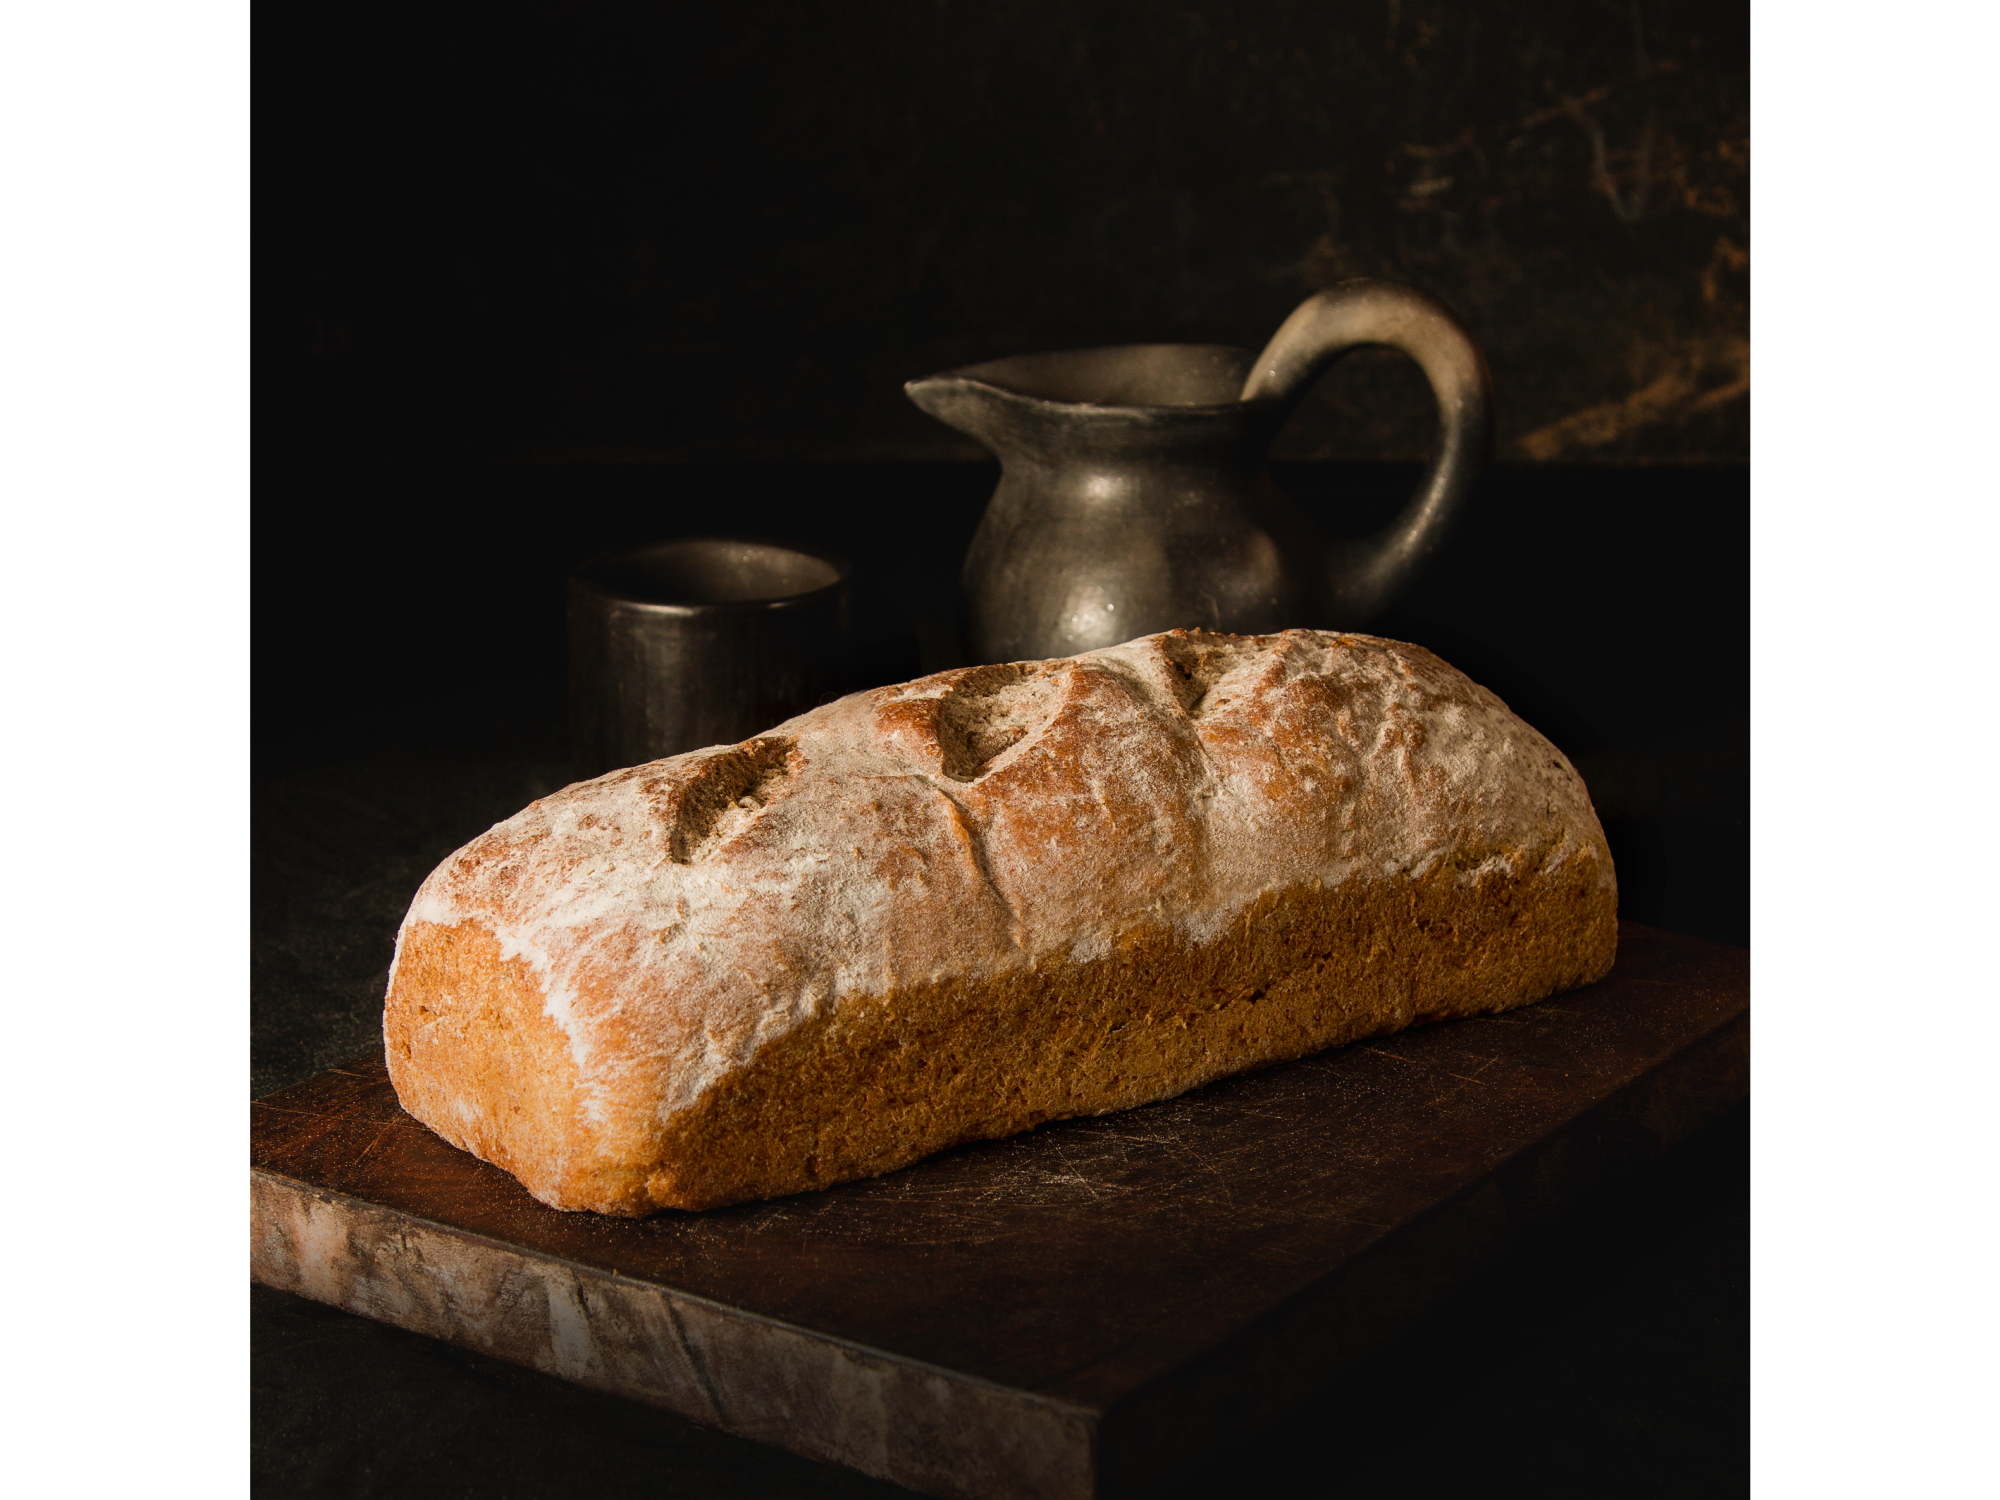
732,231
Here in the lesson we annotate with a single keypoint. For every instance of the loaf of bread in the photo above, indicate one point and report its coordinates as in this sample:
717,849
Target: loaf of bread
952,910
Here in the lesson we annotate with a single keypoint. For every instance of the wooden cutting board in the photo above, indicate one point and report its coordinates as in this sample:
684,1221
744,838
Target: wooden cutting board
1069,1313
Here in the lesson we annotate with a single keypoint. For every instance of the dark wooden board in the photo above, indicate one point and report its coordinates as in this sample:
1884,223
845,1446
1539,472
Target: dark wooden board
1067,1313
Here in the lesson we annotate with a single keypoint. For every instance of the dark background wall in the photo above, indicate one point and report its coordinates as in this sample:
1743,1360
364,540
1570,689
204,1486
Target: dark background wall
537,280
676,231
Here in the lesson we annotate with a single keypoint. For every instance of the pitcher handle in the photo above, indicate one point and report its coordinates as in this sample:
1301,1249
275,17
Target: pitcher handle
1363,576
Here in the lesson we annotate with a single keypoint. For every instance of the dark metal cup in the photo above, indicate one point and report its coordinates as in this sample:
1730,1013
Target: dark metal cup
705,641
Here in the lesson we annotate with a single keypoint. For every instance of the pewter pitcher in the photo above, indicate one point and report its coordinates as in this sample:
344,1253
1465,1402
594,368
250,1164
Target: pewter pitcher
1133,495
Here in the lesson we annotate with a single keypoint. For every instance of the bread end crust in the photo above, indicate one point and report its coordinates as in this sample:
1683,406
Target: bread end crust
474,1055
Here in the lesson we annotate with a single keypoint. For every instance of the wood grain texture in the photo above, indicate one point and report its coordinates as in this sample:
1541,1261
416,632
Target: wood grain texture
1063,1313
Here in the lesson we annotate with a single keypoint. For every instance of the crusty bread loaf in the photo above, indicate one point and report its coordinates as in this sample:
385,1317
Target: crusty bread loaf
952,910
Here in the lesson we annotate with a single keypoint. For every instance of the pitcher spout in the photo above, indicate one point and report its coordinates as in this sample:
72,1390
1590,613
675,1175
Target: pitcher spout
1078,400
968,405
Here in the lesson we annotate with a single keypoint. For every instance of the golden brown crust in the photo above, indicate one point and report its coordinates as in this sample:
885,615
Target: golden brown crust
952,910
473,1055
876,1086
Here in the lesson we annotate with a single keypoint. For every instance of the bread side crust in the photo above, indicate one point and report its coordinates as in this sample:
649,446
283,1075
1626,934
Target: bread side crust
883,1082
876,1086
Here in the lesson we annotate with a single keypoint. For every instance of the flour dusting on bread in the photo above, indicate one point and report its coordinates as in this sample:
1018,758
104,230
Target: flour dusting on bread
1025,845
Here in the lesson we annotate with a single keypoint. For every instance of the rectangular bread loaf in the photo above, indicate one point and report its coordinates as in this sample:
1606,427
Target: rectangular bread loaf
952,910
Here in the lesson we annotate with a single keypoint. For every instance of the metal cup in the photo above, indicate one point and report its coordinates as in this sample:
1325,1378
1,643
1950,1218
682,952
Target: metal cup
704,641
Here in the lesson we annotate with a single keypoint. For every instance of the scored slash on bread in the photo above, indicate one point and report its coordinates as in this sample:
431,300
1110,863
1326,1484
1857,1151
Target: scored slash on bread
954,909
